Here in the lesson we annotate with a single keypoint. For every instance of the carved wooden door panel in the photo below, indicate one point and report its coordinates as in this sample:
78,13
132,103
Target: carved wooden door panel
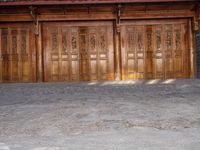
54,54
17,53
169,53
134,52
93,53
101,57
158,53
149,52
74,54
78,51
61,54
155,49
181,55
84,54
176,50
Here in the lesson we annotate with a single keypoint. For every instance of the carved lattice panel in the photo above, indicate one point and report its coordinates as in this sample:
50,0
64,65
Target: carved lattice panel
93,53
17,48
82,52
5,55
154,49
179,36
158,56
134,55
149,52
169,51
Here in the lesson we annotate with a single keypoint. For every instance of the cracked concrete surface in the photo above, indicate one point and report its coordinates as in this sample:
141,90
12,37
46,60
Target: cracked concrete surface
114,115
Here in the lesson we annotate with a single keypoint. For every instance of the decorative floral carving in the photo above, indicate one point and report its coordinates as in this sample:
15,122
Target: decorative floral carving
178,40
55,41
64,42
149,40
14,44
4,41
158,40
93,42
130,40
102,43
74,41
83,43
139,41
169,39
23,48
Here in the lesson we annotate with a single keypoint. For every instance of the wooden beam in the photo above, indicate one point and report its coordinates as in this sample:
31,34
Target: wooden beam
39,54
72,2
117,37
1,59
117,41
75,17
15,18
157,15
192,51
96,16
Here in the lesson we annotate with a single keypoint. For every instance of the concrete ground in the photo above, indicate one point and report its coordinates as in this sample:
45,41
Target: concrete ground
117,115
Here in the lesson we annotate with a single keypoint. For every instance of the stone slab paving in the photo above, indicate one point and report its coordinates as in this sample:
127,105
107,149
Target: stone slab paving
113,115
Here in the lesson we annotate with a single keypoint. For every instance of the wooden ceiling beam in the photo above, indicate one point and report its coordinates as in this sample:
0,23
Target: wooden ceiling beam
72,2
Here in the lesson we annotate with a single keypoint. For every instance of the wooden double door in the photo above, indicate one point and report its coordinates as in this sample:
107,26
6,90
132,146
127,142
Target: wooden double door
155,49
84,51
78,51
17,53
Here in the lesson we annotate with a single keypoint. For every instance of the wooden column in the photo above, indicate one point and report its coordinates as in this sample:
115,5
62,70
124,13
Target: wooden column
39,52
192,50
1,59
117,42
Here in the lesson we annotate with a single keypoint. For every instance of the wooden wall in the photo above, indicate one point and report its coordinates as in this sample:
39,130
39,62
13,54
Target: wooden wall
37,16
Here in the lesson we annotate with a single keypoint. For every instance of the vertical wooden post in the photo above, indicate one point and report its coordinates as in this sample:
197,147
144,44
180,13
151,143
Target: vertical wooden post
117,37
117,53
39,53
1,59
192,51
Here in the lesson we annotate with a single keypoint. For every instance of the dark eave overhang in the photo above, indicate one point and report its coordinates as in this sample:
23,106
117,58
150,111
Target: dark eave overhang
72,2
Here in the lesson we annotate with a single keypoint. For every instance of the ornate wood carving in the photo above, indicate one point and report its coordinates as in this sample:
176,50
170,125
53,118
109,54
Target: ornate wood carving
74,41
102,42
24,41
130,40
17,41
140,41
88,56
14,42
149,40
169,39
166,50
4,40
55,41
93,42
178,39
158,40
64,41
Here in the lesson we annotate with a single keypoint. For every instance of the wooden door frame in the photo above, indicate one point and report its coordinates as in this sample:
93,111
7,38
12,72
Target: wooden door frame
42,64
117,44
1,59
39,53
31,45
192,49
190,45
